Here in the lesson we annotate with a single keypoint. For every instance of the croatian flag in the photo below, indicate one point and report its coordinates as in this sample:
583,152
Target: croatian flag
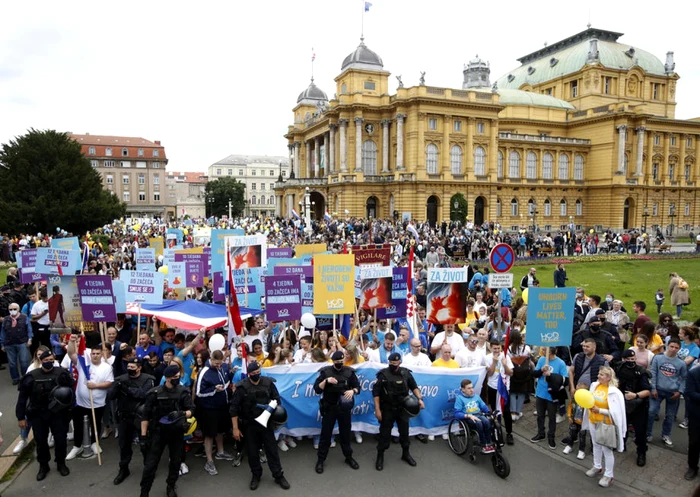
413,231
367,6
345,326
295,215
327,216
235,324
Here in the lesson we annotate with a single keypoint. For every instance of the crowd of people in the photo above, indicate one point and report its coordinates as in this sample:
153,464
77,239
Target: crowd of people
148,382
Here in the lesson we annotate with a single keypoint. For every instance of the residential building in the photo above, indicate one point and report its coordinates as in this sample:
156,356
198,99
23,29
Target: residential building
186,194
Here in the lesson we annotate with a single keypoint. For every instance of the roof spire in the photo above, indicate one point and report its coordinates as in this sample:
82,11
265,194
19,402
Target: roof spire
313,58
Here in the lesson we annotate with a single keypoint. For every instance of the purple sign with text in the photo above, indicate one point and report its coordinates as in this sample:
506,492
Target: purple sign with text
27,262
195,267
279,253
399,288
283,297
96,298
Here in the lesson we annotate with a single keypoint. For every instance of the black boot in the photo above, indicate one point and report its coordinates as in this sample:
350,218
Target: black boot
43,471
170,491
319,466
379,465
282,482
121,476
63,469
406,456
254,482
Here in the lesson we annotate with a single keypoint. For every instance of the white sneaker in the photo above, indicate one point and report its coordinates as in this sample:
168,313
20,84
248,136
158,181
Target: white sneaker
184,469
605,481
315,446
106,432
290,442
445,436
560,418
74,452
116,433
333,444
358,437
667,440
581,455
568,449
51,442
20,446
431,437
282,446
95,449
593,472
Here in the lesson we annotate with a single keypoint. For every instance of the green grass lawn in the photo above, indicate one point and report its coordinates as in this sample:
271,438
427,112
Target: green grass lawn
628,280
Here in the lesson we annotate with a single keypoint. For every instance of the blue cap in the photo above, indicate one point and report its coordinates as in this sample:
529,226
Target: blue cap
171,371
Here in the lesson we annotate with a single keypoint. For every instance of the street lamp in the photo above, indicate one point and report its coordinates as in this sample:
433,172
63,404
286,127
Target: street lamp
672,214
211,206
645,216
455,206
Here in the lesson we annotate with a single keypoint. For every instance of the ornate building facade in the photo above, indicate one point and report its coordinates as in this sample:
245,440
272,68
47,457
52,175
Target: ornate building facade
583,132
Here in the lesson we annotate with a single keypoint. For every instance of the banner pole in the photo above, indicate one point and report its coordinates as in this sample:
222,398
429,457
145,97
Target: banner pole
94,430
138,323
245,285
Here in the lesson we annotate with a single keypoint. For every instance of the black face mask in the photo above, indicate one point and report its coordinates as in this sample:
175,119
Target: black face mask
393,368
338,366
595,327
254,377
47,366
133,372
630,364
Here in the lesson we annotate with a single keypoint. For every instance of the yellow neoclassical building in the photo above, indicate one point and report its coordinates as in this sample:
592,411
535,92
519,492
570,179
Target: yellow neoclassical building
583,132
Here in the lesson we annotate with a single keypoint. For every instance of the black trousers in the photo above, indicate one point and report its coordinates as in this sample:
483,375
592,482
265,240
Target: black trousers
127,431
344,420
693,442
78,414
58,425
639,419
42,336
549,408
391,415
160,439
507,417
256,437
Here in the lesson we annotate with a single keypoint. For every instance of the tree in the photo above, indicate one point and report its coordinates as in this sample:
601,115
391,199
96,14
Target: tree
220,191
460,212
46,182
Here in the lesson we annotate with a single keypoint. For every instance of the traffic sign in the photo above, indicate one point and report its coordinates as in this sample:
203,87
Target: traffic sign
501,280
502,258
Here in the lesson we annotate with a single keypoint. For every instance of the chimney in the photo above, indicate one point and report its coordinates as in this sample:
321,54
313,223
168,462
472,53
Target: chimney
157,142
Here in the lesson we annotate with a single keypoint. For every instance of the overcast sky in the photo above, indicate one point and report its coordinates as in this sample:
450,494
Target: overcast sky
211,79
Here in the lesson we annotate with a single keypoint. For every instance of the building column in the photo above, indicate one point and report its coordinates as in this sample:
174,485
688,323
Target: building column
469,164
492,153
621,148
317,156
640,150
278,205
325,154
331,151
696,176
358,143
650,156
399,141
420,148
446,156
343,123
385,145
663,176
297,164
308,172
681,163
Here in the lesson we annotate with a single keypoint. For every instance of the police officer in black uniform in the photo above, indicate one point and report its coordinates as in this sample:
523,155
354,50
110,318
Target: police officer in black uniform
164,414
635,386
339,385
45,399
130,390
391,391
250,398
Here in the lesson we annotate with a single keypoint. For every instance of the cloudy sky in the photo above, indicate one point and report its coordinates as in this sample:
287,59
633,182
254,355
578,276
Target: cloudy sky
214,78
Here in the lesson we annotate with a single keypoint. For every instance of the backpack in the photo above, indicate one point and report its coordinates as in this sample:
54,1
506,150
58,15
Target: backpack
682,284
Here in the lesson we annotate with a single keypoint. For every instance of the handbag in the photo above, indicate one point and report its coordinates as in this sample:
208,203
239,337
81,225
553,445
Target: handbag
606,434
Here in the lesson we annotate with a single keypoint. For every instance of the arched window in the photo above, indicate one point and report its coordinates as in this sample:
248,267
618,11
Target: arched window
578,167
369,157
531,166
480,162
500,165
431,159
547,208
547,166
563,166
456,159
579,207
514,207
562,207
514,165
499,209
252,200
262,199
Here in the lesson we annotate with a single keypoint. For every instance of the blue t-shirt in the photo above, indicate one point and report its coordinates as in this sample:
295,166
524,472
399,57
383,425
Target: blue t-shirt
141,352
558,367
691,350
188,364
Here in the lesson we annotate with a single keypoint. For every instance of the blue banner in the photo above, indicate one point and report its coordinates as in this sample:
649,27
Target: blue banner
70,243
550,316
439,388
145,287
48,259
145,259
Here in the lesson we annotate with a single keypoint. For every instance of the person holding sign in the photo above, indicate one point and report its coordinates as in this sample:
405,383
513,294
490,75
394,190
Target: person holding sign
550,370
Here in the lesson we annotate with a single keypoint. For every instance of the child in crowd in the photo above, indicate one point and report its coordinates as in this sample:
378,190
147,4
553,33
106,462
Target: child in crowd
659,299
575,416
470,407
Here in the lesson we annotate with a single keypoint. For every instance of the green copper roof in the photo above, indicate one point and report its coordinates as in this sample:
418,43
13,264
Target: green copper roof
510,96
571,59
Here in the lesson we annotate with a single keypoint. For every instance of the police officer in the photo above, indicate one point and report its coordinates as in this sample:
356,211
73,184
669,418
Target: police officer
130,391
339,385
634,384
251,397
45,399
391,391
165,412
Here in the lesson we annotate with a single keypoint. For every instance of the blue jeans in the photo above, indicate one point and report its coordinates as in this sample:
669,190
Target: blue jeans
671,410
482,427
18,352
516,402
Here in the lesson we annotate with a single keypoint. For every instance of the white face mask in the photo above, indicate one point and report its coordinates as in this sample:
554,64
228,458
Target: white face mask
13,312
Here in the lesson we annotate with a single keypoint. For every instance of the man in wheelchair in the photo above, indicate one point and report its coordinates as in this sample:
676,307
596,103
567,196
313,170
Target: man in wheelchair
470,407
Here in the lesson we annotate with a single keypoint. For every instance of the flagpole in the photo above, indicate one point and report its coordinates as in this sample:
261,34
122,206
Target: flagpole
92,404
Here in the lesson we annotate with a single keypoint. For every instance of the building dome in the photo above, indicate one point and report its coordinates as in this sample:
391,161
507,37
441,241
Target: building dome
312,95
476,74
362,58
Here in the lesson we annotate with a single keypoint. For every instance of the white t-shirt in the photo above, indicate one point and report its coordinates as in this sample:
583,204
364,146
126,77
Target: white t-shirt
249,339
479,305
98,374
39,307
470,358
410,360
301,357
493,379
455,341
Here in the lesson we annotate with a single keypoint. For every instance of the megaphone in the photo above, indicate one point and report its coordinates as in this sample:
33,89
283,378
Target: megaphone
267,412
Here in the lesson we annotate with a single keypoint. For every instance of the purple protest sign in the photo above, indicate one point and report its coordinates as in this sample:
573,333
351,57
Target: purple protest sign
27,263
96,298
283,297
306,271
195,267
399,288
279,253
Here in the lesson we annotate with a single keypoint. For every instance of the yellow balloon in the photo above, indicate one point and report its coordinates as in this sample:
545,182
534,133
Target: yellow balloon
185,232
591,231
525,294
163,269
584,398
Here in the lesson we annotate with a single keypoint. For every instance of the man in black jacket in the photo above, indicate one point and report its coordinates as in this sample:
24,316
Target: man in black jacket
605,343
635,386
560,276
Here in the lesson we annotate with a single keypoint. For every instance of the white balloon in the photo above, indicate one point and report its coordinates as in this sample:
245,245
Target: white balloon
308,320
217,342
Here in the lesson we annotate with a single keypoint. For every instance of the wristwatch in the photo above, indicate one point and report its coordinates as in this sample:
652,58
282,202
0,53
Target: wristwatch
637,395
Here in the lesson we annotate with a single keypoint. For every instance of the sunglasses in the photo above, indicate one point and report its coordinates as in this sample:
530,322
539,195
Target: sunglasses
382,322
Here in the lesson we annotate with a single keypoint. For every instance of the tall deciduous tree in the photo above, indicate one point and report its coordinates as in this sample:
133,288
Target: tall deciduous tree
220,191
46,182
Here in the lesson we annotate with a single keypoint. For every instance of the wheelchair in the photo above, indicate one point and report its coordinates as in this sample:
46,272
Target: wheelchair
464,440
